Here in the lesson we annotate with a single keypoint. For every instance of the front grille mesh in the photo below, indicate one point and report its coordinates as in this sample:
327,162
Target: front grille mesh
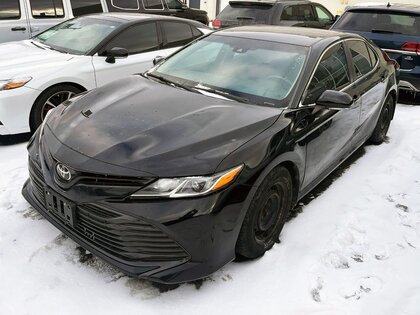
119,235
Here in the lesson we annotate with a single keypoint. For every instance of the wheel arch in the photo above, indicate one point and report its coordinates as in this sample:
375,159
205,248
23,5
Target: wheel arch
76,85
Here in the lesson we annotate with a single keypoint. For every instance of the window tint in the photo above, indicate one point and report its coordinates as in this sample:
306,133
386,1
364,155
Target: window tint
47,9
126,4
177,34
174,4
81,7
323,14
153,4
332,74
361,58
136,39
298,13
366,21
9,9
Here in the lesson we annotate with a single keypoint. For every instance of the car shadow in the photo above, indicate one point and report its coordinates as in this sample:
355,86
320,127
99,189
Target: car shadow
14,139
327,182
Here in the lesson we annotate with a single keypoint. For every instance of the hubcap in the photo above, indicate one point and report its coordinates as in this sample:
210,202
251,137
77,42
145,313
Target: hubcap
54,101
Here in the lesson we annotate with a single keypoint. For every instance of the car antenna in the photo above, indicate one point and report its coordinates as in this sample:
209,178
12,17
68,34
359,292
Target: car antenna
388,5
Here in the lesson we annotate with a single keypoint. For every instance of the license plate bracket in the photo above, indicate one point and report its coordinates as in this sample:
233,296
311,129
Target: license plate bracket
60,207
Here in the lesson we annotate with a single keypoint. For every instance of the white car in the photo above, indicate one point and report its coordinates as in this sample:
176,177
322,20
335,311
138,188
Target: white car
78,55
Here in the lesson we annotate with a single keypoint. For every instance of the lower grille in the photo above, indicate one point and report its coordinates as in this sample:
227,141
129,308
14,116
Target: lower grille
121,236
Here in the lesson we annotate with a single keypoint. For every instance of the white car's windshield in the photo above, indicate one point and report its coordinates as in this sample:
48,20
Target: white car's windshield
258,71
77,36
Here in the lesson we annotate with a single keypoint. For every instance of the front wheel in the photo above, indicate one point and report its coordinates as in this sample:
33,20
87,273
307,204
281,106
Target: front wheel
48,100
381,129
266,215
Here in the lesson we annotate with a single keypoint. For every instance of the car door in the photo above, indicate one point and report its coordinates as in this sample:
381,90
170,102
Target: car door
327,132
323,16
43,14
370,82
143,44
13,21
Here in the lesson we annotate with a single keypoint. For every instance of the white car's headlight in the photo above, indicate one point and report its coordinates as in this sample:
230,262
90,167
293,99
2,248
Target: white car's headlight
14,83
189,186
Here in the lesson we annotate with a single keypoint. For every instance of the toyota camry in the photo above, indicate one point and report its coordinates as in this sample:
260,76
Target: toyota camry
171,174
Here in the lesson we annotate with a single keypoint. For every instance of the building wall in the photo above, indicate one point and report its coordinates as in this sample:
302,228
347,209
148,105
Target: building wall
335,6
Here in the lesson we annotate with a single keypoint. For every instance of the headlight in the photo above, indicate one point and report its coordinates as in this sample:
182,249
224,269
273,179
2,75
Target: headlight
189,186
13,83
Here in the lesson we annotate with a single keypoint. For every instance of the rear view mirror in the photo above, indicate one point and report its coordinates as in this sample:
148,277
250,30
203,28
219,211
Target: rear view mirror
334,99
115,53
158,59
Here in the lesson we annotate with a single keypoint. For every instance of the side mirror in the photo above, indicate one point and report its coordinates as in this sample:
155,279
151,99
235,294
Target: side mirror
334,99
336,17
115,53
158,59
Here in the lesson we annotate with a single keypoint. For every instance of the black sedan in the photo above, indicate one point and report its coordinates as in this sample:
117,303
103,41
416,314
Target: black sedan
172,174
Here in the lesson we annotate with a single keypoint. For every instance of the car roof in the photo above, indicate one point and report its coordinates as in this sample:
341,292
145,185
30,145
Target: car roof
270,1
131,17
286,34
371,6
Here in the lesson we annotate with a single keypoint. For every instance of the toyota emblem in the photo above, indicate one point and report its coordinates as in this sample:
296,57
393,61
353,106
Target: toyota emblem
63,172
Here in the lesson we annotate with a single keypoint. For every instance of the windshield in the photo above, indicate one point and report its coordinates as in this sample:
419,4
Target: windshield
377,21
259,72
254,13
77,36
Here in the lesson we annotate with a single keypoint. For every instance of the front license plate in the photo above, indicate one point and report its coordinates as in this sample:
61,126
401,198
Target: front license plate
60,207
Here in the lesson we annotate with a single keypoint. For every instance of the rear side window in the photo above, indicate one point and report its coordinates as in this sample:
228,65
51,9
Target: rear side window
126,4
361,58
9,10
174,4
251,14
298,13
153,4
177,34
82,7
377,21
47,9
332,73
136,39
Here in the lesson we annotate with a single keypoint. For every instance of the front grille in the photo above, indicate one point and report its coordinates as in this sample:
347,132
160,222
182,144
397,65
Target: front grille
37,179
119,235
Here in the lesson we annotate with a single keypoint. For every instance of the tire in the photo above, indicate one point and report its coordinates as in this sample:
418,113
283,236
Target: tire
381,129
266,215
49,99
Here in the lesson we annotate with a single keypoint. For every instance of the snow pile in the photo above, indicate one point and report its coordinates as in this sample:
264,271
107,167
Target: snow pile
354,249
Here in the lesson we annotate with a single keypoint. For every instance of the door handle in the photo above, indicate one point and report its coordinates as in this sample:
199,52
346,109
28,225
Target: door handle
18,28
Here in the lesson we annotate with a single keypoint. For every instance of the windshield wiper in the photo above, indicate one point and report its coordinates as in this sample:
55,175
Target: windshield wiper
384,31
222,93
39,46
169,82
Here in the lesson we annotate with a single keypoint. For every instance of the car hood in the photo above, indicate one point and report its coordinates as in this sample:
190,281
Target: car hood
23,58
155,128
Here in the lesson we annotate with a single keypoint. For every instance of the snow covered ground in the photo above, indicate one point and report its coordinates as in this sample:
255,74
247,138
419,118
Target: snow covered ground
353,249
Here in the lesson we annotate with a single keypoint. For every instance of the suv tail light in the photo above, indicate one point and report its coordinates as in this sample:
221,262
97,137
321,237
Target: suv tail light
216,24
393,61
411,46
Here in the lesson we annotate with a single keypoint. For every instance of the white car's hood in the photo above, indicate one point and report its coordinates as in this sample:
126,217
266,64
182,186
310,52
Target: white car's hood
24,59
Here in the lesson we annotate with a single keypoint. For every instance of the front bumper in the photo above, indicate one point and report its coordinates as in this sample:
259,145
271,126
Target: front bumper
15,109
168,241
409,80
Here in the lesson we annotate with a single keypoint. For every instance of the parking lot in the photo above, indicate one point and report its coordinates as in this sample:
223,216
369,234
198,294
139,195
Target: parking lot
353,247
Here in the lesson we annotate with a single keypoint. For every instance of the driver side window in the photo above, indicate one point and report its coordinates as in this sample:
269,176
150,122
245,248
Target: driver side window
332,74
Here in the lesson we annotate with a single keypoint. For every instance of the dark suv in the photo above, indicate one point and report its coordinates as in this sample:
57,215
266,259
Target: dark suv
162,7
288,13
396,29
